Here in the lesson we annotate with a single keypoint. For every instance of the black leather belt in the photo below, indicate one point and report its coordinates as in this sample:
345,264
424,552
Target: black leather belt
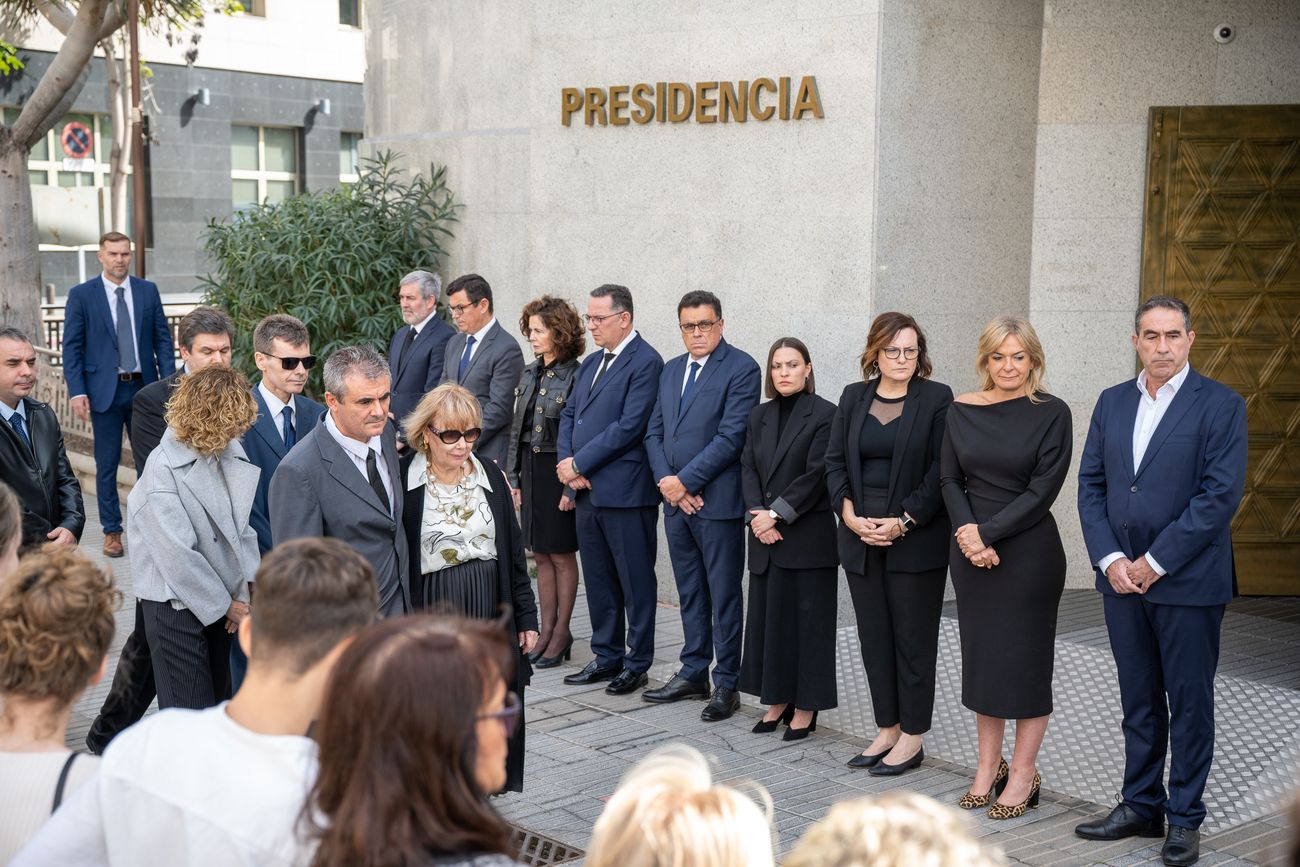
129,377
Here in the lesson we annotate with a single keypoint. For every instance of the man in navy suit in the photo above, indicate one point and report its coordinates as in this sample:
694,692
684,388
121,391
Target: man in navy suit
115,341
603,461
694,441
1160,479
415,354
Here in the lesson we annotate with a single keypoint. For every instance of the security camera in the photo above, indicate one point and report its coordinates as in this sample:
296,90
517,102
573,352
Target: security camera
1224,33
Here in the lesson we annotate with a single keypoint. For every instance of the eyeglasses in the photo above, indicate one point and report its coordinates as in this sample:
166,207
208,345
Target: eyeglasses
508,715
288,362
910,353
587,318
457,309
451,437
702,327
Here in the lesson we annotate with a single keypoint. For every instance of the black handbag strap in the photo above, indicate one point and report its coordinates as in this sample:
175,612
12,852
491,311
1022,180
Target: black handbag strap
63,780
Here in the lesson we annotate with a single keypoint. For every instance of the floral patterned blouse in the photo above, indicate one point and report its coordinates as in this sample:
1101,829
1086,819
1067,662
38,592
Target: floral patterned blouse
457,525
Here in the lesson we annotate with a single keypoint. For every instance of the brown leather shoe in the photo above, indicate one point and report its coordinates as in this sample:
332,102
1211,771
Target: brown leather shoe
113,545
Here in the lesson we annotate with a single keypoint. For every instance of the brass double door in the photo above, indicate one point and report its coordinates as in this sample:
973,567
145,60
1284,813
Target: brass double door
1222,232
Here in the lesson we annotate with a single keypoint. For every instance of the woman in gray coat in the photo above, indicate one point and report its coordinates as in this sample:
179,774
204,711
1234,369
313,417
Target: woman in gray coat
192,550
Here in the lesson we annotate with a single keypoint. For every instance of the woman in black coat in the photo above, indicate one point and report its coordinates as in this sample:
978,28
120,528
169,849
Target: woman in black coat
789,653
467,552
882,469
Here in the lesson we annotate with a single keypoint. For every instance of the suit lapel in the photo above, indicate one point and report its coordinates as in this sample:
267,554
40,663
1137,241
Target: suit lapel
241,477
854,458
345,472
793,426
399,359
1125,421
264,427
1182,402
481,349
671,394
100,302
710,368
904,431
620,361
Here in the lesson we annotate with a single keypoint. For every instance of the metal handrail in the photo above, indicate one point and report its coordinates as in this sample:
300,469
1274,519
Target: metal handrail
52,388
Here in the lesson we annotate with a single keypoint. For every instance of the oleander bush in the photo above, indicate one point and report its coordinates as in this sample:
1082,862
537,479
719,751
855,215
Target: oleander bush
332,258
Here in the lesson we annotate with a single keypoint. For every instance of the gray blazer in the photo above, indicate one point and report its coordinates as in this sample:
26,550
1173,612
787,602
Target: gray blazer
318,491
190,536
492,375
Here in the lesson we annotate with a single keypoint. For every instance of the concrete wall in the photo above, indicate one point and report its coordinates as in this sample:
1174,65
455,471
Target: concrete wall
1104,64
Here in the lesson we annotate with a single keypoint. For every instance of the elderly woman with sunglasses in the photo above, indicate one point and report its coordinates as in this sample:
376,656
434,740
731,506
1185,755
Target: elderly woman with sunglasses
467,552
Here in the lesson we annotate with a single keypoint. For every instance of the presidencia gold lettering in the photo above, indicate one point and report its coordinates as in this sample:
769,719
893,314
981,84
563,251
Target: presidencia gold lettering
618,105
784,97
645,109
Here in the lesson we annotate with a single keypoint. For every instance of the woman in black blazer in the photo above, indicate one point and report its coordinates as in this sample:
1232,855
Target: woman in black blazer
882,469
467,551
789,652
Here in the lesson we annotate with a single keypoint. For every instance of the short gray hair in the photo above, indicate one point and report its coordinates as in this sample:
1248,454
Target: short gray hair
361,360
430,284
1164,302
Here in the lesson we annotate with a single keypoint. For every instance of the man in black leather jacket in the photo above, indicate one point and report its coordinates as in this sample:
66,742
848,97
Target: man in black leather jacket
32,457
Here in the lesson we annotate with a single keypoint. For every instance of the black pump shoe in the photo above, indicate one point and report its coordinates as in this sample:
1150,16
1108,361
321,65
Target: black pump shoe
766,726
794,734
883,769
552,661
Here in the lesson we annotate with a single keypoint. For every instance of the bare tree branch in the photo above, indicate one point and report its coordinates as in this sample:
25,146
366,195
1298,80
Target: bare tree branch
65,75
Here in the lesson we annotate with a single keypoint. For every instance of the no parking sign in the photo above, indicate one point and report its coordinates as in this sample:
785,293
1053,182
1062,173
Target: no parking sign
78,141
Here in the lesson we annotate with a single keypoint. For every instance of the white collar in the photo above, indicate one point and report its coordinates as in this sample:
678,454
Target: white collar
19,410
112,287
419,326
700,361
622,344
357,449
417,474
482,332
275,406
1175,382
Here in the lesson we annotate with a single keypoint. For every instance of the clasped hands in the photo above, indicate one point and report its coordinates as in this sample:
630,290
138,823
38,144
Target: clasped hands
1131,576
763,526
567,475
675,494
880,532
973,547
235,614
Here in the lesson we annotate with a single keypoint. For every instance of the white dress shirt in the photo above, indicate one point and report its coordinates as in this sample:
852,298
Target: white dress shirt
110,289
478,338
617,350
1150,411
275,409
687,375
359,451
419,326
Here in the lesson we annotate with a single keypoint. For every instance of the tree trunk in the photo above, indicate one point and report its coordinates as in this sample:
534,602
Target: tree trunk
20,264
119,159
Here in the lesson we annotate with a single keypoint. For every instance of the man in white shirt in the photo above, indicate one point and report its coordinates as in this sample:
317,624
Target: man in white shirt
225,785
342,478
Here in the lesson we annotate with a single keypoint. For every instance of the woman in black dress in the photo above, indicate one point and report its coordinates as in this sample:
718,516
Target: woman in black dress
882,469
467,552
789,652
555,332
1005,457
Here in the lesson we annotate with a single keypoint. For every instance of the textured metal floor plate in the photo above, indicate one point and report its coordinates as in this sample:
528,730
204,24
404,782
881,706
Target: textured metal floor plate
538,849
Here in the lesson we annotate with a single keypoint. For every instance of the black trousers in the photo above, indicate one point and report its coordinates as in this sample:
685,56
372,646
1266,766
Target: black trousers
898,631
131,693
191,662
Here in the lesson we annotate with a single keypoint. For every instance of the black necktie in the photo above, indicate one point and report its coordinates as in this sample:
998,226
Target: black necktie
372,471
406,346
604,365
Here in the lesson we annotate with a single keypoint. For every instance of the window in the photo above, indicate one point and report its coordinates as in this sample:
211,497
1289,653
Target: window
350,13
349,164
263,164
255,8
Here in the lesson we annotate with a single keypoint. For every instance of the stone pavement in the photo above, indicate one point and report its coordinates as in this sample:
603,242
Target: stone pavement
581,741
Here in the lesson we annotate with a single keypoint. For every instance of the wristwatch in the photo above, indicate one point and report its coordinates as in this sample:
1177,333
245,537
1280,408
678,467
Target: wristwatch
771,513
908,522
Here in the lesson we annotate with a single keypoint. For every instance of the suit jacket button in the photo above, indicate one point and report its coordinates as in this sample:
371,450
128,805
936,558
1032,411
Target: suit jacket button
768,495
1124,526
541,391
538,428
537,450
1134,489
579,421
538,410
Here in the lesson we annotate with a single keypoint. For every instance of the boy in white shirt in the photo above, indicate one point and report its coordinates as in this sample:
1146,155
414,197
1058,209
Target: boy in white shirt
224,786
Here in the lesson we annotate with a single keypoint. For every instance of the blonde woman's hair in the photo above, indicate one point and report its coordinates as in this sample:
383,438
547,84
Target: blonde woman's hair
210,408
667,812
991,338
451,406
899,829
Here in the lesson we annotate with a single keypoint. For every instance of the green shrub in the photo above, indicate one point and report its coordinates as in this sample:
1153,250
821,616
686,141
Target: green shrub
331,258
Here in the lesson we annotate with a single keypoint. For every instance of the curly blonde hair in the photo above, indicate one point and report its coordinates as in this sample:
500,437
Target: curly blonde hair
56,622
453,406
210,408
991,338
898,829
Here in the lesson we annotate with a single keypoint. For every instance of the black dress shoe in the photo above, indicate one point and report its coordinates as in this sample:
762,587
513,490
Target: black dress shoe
884,769
861,761
1122,822
724,703
627,681
794,734
593,673
1182,846
676,689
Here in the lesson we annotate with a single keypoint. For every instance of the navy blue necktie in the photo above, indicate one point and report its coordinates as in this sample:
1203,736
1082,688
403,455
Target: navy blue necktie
464,360
17,421
286,428
690,386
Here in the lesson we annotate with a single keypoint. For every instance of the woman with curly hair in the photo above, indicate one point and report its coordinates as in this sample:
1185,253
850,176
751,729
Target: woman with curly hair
11,529
56,622
555,333
194,552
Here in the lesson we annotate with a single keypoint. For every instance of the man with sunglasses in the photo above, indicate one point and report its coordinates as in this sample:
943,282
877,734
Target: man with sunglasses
206,335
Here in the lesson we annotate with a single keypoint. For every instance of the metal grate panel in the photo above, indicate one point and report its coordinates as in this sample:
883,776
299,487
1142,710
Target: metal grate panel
537,849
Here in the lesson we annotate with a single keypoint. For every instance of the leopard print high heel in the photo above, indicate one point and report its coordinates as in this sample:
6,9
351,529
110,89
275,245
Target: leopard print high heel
972,801
1015,811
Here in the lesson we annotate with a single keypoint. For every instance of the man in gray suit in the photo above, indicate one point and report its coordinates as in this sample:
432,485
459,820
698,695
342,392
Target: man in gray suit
341,479
485,360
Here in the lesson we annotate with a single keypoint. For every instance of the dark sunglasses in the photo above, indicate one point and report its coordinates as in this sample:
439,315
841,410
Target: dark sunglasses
291,363
508,715
451,437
